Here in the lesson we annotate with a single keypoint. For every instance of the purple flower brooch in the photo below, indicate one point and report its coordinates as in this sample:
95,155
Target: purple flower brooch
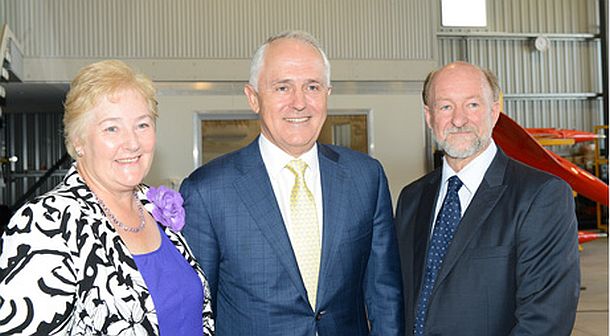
168,208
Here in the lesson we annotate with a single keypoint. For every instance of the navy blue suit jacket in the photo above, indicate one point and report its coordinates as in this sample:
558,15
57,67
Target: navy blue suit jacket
512,267
237,233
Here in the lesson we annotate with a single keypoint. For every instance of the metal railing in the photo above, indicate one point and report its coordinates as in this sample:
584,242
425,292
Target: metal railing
26,196
11,50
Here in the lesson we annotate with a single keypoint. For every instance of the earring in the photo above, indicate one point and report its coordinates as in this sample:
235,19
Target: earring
79,153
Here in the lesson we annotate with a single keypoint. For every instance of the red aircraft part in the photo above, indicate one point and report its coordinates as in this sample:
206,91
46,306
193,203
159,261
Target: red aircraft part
584,236
553,133
517,143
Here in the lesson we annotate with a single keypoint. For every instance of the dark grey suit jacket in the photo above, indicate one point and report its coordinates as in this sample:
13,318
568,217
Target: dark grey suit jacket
512,267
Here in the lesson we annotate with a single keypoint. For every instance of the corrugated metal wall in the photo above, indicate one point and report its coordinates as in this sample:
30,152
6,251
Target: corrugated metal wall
578,114
213,29
568,66
539,16
555,88
558,87
194,29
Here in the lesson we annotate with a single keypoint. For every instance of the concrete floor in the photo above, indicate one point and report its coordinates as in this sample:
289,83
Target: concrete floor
592,313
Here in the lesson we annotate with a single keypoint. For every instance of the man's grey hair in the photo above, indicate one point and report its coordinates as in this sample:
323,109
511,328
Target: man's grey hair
259,56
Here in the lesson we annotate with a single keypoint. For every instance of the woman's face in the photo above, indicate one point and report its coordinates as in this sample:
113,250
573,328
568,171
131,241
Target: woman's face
119,142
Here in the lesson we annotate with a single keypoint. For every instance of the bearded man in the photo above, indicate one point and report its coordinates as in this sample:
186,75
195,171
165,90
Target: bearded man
488,245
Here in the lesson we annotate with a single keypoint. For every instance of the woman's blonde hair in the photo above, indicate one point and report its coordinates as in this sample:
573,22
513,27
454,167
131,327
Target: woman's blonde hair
95,81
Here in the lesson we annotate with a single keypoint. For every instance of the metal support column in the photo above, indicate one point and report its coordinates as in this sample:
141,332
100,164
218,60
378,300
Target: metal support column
603,32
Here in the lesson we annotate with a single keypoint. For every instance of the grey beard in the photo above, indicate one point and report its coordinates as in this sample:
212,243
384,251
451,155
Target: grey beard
478,145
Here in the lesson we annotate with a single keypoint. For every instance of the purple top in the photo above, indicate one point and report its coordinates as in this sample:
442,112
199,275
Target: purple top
175,288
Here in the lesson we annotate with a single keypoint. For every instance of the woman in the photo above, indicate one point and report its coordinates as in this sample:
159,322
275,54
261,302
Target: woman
89,257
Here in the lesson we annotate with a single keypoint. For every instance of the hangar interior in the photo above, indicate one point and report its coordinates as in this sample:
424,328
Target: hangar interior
550,57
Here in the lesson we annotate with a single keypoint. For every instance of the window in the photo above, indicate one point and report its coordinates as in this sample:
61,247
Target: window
463,13
224,133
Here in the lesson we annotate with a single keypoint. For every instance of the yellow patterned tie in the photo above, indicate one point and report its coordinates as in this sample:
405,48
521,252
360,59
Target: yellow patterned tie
304,230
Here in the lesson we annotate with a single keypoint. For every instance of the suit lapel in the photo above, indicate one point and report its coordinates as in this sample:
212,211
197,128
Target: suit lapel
422,227
482,204
255,190
334,180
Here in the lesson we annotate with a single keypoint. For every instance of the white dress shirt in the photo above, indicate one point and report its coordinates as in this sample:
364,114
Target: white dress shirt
282,179
471,176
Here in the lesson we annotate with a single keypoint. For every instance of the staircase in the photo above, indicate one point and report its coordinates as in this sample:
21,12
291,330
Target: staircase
11,70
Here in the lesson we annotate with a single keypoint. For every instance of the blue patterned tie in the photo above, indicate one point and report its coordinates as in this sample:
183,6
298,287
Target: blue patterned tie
446,224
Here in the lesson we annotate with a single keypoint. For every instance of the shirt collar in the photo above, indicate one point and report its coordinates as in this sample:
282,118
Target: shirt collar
472,174
275,158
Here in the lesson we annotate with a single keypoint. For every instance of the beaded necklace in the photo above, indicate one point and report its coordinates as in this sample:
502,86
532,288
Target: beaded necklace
120,224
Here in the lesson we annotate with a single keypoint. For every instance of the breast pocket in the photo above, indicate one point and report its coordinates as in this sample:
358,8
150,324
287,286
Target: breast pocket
493,252
489,267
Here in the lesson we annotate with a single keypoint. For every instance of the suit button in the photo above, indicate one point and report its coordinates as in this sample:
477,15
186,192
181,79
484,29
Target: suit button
320,314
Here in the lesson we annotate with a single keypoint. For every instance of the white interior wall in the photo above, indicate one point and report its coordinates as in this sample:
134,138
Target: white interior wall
397,132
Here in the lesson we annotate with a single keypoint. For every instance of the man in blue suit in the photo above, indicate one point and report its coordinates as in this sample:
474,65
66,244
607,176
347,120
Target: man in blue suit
488,245
288,250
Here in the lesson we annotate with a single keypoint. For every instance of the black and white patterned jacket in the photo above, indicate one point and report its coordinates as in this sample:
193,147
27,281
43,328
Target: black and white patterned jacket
64,270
